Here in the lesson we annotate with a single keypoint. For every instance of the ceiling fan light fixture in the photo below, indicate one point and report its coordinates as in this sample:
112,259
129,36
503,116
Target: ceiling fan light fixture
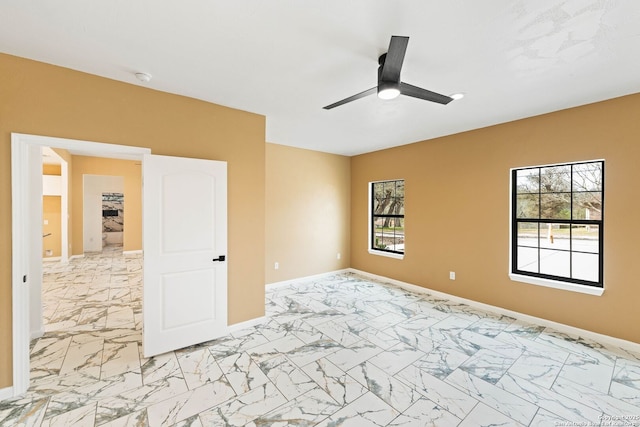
388,90
457,96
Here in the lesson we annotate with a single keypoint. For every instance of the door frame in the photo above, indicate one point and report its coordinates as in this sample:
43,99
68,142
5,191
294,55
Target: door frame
64,183
26,225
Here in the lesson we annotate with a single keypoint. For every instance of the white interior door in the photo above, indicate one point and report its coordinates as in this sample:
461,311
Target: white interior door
185,247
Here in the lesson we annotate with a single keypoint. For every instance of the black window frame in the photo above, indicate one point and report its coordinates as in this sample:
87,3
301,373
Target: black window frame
570,222
373,216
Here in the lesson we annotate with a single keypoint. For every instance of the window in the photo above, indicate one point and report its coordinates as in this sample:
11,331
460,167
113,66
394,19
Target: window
386,223
557,222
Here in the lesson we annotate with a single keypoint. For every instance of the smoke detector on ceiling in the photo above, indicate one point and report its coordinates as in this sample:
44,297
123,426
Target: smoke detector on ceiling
143,77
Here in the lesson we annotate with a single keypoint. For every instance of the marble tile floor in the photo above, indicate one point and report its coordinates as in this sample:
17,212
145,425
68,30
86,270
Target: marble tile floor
339,351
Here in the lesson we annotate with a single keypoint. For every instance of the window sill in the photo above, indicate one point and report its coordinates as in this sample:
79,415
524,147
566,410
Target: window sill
556,284
387,254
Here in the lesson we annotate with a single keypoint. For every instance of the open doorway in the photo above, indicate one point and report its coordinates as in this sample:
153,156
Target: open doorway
112,219
27,240
185,237
103,210
101,286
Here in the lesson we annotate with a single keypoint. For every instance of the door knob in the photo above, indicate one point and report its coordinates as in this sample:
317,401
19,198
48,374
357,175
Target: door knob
220,258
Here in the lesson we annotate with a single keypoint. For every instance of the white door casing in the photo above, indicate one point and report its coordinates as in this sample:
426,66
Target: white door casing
26,222
26,204
34,275
185,248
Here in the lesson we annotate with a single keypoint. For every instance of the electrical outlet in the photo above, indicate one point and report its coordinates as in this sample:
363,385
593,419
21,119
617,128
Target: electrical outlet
452,275
276,265
338,255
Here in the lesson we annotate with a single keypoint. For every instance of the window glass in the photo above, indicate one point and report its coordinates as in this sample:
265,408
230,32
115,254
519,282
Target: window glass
555,205
528,181
555,179
528,259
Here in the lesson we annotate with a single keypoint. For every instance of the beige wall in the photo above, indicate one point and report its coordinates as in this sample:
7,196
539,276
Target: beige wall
131,171
307,212
37,98
50,169
457,212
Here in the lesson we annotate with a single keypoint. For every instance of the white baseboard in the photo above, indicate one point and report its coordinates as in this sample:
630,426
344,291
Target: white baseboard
51,258
6,393
247,324
627,345
36,334
76,256
275,285
137,251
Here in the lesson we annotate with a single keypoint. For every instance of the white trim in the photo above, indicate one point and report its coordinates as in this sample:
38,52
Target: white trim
19,265
84,148
6,393
24,205
247,324
385,253
575,162
52,258
284,283
134,252
64,210
556,284
624,344
37,333
76,256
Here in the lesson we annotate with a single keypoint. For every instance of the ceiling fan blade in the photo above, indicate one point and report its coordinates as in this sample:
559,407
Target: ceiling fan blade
352,98
418,92
394,59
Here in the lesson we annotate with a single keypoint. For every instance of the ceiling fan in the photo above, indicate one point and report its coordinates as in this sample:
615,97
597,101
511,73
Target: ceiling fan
389,84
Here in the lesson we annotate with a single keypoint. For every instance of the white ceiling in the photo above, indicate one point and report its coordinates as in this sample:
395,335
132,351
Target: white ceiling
286,59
